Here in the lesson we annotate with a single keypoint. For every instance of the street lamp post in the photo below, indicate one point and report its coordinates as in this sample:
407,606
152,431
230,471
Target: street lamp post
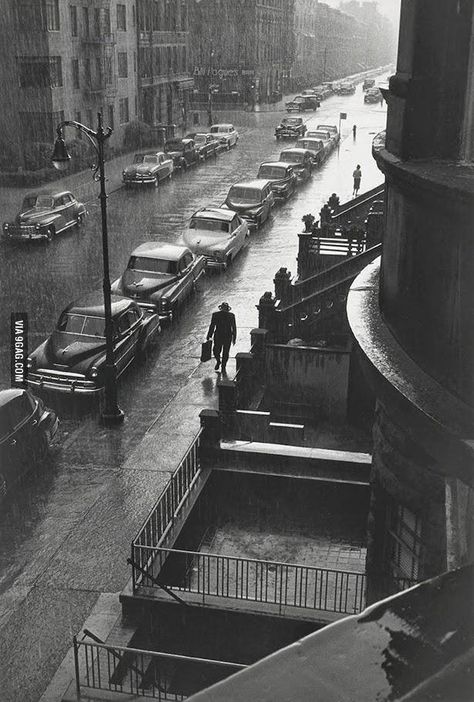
111,414
209,97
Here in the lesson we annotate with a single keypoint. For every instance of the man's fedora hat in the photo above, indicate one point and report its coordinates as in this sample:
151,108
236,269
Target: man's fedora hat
225,306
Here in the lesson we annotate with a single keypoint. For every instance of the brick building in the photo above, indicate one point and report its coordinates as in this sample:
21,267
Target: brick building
164,83
242,47
64,60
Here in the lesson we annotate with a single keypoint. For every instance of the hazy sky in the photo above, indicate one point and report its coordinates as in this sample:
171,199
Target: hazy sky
389,8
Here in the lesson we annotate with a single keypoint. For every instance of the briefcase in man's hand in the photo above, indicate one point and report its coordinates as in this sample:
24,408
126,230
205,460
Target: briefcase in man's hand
206,350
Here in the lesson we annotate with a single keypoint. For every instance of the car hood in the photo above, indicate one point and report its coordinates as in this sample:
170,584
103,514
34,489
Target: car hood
68,350
200,243
174,154
138,282
33,215
141,168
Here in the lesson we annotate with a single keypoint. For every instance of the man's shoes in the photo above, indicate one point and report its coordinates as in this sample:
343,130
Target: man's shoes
217,366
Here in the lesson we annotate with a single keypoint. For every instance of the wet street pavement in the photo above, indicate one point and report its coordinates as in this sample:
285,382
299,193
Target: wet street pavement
65,533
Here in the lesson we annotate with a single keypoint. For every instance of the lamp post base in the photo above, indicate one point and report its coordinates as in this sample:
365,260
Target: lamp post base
108,419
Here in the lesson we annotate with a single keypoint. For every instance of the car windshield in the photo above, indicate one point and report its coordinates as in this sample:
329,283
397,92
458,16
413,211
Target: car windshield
150,159
271,172
209,225
291,157
311,144
220,130
38,201
82,325
200,138
240,194
319,135
138,158
152,265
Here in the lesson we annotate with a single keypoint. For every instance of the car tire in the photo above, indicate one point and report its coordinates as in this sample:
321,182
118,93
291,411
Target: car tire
228,261
227,146
184,166
50,234
79,220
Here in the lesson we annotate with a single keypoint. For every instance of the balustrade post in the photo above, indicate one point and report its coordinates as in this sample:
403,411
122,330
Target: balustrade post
282,283
304,253
227,391
266,311
259,339
244,377
211,431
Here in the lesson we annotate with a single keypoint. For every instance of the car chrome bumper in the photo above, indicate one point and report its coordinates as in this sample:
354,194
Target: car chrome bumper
212,263
62,383
139,181
26,234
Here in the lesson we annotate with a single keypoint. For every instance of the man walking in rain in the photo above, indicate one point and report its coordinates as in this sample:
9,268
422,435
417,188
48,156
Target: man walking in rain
224,332
357,175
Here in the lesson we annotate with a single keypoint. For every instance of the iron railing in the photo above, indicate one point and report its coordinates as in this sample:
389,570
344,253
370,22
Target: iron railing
163,515
133,671
270,582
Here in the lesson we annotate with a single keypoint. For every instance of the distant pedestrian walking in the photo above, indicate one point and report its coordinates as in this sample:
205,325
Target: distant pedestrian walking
357,175
354,131
224,332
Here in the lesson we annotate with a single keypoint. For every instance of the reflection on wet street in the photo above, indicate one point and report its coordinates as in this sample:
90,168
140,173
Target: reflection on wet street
65,532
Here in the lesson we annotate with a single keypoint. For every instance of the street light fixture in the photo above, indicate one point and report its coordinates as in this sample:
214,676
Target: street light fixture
111,414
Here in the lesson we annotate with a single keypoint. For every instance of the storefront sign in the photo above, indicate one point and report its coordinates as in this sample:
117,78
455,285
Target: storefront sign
222,72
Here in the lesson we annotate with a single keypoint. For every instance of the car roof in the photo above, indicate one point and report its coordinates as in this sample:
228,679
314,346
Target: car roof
158,249
93,305
223,124
298,150
215,213
280,164
9,394
326,126
256,183
51,193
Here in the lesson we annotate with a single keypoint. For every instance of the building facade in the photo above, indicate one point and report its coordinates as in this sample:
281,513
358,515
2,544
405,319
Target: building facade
164,83
64,60
242,48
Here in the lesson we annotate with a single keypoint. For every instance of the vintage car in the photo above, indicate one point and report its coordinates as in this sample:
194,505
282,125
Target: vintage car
368,83
333,131
315,147
290,128
281,176
27,429
301,103
72,359
226,133
216,233
206,144
322,92
183,152
44,214
372,96
148,168
300,160
252,200
160,277
346,88
309,92
325,137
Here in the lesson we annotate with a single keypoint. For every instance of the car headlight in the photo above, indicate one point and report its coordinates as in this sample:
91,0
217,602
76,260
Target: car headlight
31,363
164,303
93,372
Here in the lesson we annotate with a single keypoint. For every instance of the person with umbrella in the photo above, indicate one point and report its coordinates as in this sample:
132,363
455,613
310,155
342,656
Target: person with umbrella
223,331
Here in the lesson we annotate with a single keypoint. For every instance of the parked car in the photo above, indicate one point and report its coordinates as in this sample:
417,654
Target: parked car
325,137
372,96
302,102
346,88
368,83
281,176
309,92
315,147
160,277
206,144
290,128
72,359
183,152
27,429
226,133
252,199
322,92
148,168
300,160
216,233
333,131
43,214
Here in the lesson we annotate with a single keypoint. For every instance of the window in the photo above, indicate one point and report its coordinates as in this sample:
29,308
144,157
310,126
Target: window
110,110
85,20
97,31
33,71
87,70
75,73
403,544
73,13
122,18
29,16
52,15
122,64
123,110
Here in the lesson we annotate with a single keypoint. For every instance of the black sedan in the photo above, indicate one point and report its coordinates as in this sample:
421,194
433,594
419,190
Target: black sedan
302,102
27,429
290,128
281,176
72,359
44,214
